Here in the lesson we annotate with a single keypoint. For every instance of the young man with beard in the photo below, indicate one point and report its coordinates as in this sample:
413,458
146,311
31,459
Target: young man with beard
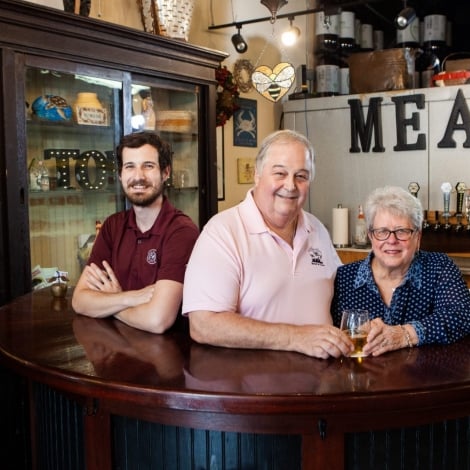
136,268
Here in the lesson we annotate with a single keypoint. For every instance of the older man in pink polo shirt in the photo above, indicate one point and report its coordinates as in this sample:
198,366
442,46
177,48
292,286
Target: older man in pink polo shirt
261,274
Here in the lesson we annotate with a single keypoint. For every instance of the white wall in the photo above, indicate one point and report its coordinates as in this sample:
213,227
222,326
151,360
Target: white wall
347,178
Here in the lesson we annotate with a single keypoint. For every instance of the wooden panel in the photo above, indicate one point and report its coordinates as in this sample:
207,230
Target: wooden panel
15,447
461,259
351,255
408,448
59,430
178,448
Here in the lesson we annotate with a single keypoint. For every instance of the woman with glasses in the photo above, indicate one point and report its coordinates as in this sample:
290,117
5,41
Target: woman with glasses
413,297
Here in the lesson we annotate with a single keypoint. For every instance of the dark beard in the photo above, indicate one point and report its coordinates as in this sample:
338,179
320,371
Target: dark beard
144,200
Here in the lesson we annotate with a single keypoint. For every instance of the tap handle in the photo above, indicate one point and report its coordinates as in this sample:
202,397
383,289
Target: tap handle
446,188
467,205
460,187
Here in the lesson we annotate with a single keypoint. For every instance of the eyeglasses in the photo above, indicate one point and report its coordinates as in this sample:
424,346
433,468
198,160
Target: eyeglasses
401,234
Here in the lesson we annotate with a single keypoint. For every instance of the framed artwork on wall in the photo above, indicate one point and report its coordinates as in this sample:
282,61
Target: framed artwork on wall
246,170
220,163
245,123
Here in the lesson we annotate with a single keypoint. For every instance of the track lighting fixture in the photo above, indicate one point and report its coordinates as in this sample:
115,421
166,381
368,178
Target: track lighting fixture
273,6
238,42
405,17
290,36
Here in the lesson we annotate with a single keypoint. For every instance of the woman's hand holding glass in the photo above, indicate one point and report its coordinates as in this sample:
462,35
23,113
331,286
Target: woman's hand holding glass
383,338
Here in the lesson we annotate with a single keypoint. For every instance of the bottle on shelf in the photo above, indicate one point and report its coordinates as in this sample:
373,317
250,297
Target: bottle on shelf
346,46
347,33
327,75
449,37
44,184
378,39
367,37
326,47
409,38
434,44
326,32
360,234
357,34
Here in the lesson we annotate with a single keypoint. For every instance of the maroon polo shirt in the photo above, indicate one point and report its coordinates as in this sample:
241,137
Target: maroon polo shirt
140,259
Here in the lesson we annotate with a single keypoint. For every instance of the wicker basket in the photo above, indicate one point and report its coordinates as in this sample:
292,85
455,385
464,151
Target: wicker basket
171,18
388,69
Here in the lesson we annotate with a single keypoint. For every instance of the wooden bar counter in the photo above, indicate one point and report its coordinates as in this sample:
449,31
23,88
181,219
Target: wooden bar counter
104,395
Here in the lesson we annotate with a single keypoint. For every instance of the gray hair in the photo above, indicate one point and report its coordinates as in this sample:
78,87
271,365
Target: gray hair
397,201
285,136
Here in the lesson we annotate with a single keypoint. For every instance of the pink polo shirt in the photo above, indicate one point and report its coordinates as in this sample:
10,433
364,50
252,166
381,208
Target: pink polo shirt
239,265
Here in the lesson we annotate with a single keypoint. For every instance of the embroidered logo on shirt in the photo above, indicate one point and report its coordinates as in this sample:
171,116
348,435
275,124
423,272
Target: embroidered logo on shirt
316,256
152,256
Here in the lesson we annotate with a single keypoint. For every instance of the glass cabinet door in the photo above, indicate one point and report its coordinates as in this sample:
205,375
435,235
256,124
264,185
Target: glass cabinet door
172,111
72,128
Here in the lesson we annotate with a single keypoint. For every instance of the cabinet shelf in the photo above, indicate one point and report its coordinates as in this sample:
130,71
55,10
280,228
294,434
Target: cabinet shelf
33,194
65,126
177,188
178,136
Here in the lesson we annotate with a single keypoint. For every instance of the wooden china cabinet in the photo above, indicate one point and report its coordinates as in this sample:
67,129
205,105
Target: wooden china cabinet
71,86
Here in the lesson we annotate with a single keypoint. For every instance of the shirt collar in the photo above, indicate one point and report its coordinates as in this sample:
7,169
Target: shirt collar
364,273
164,213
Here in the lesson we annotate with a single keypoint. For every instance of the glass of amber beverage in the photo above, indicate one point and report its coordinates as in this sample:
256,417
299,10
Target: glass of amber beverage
355,323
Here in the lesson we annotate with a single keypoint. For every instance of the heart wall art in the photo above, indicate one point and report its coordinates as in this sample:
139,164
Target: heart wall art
274,83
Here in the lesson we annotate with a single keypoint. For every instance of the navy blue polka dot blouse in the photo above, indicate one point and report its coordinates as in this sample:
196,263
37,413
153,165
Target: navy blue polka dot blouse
433,297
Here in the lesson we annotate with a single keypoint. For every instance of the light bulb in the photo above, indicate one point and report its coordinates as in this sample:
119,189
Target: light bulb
289,37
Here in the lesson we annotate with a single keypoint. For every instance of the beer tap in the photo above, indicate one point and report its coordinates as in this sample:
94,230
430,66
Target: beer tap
460,187
467,208
446,189
426,224
437,225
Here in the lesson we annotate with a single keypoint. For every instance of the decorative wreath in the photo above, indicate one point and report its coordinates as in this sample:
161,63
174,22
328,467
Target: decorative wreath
227,95
242,72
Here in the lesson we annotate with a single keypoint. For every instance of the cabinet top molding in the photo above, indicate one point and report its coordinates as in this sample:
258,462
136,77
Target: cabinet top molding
48,31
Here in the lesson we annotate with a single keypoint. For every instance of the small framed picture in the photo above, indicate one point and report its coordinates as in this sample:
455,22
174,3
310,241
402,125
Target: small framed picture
245,123
246,170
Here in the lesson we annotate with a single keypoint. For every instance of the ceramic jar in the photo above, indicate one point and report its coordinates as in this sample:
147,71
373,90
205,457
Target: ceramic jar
88,110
